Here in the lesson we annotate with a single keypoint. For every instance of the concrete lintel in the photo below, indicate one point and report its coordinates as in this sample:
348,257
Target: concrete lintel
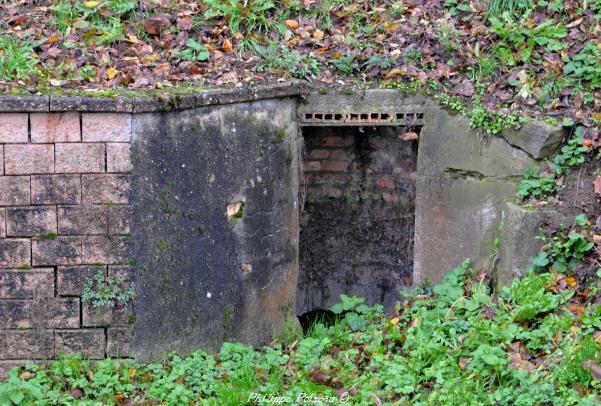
170,100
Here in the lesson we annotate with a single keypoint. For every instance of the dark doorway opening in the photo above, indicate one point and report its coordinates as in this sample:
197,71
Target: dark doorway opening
358,214
317,316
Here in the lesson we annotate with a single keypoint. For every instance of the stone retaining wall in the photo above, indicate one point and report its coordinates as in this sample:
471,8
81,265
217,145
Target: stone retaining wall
64,216
194,199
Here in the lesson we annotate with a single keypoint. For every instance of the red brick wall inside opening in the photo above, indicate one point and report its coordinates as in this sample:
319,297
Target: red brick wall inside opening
64,216
358,217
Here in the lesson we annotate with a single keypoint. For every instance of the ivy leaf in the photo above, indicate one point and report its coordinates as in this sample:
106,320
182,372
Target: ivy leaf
541,260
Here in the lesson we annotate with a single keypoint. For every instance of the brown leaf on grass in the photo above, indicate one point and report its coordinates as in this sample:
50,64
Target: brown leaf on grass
465,88
593,367
76,393
54,52
347,392
319,377
489,313
17,20
395,73
292,24
519,363
155,24
162,68
184,23
227,46
597,186
571,281
576,309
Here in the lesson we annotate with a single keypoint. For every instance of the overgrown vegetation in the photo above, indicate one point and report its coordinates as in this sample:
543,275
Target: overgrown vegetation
503,59
538,341
103,293
544,184
460,342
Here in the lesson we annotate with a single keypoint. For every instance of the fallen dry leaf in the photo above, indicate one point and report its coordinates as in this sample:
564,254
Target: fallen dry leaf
227,46
571,281
292,24
184,23
111,73
593,367
597,186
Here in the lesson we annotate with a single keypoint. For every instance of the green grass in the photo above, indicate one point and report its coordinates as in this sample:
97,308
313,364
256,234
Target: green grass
17,57
104,19
498,7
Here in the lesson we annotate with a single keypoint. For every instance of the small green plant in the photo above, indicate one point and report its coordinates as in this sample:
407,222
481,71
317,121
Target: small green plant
194,51
17,57
531,296
102,21
538,186
585,66
563,253
448,36
280,136
571,154
281,58
452,102
498,7
345,64
484,68
102,292
456,6
518,38
251,16
545,185
47,236
490,122
382,63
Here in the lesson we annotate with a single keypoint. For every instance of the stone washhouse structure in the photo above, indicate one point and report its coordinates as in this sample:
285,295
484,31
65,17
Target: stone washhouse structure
233,212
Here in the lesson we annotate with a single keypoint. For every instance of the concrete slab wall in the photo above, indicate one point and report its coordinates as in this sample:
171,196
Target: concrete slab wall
215,225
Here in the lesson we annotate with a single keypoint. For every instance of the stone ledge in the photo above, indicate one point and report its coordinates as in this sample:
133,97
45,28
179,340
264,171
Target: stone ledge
11,104
537,138
158,103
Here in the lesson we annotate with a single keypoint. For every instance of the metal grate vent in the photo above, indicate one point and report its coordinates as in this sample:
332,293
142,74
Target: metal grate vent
333,119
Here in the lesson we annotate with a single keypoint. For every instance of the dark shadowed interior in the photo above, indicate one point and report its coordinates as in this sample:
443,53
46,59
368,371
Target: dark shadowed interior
358,211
